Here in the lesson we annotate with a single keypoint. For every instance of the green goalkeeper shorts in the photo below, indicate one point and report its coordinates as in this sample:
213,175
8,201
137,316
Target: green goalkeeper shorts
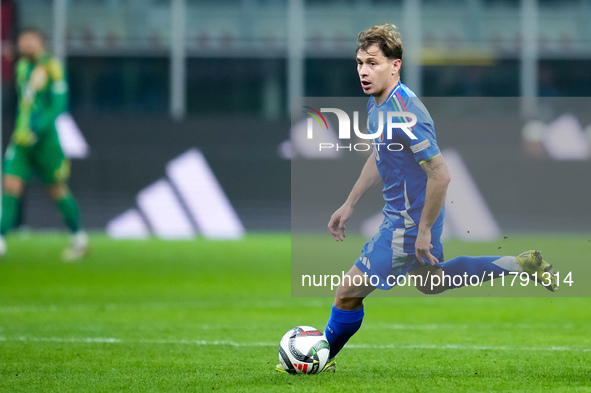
45,158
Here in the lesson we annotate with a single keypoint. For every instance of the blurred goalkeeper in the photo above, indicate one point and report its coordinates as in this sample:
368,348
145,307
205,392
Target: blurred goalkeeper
42,93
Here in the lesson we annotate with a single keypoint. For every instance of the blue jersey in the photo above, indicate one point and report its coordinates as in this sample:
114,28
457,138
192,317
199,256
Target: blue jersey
398,157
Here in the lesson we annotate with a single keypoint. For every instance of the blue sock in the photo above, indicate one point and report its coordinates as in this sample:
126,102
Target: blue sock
340,327
477,266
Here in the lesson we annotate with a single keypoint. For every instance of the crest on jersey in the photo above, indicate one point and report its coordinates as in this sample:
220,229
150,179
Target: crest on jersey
381,137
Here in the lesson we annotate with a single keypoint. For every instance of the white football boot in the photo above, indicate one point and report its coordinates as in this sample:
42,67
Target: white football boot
2,247
78,248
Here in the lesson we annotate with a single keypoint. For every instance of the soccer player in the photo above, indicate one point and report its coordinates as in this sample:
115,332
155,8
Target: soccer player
415,184
42,94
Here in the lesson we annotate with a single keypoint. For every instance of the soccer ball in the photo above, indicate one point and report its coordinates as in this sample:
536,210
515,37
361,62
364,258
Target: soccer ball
303,350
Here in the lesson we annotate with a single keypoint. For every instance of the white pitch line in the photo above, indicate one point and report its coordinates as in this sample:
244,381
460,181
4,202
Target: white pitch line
426,326
136,306
450,326
461,347
469,347
63,339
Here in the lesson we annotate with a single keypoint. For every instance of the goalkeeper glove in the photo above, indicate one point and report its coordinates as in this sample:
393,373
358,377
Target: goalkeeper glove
24,137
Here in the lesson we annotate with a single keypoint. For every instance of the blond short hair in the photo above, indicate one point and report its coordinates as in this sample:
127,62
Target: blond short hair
385,36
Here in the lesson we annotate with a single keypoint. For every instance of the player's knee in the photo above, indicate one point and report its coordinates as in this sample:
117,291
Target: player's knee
13,185
431,290
58,190
430,282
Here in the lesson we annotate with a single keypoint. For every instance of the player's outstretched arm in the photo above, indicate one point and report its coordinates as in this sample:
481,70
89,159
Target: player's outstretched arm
438,179
58,88
369,177
23,136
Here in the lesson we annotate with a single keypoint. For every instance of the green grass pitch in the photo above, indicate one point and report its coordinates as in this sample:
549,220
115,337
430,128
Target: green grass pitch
208,315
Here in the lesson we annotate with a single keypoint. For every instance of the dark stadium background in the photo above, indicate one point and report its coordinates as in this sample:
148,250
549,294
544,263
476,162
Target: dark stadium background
207,315
236,99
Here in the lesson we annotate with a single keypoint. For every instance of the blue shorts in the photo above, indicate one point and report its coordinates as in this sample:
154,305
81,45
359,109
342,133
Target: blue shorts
391,253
